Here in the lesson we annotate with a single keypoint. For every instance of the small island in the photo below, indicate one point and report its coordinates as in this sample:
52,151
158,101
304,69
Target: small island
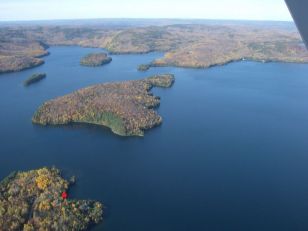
95,60
127,108
38,200
34,78
144,67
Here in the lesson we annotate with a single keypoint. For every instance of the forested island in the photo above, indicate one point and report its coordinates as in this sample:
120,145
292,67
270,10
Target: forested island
144,67
38,200
95,60
34,78
127,108
194,45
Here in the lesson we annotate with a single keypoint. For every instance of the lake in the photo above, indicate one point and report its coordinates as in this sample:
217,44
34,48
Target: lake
231,154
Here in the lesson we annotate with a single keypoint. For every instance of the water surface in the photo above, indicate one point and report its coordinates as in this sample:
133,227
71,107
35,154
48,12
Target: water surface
232,153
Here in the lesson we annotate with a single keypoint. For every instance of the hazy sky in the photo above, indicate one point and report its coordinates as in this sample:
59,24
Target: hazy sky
207,9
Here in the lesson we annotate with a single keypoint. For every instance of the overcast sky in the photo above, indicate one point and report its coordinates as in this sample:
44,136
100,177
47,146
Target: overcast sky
202,9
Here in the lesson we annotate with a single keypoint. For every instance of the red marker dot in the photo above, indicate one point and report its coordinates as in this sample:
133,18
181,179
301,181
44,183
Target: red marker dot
64,195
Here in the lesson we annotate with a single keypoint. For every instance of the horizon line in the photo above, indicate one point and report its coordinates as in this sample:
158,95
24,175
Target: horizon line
129,18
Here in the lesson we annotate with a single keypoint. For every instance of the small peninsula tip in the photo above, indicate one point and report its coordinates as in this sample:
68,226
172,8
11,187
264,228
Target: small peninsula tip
37,200
17,54
125,107
95,60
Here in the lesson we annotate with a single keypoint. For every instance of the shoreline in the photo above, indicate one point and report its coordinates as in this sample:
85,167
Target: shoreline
152,64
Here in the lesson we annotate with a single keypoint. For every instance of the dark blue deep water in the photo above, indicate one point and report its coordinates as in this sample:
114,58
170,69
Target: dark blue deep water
232,153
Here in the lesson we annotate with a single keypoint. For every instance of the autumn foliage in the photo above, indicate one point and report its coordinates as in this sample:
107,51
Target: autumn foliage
126,107
32,201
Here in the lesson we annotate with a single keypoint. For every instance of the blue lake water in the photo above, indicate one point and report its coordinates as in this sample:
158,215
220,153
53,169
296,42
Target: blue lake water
231,154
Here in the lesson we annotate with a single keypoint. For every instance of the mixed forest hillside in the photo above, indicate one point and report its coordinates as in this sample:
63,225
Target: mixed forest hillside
184,45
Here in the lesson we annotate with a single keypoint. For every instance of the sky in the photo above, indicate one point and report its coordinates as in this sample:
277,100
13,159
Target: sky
15,10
